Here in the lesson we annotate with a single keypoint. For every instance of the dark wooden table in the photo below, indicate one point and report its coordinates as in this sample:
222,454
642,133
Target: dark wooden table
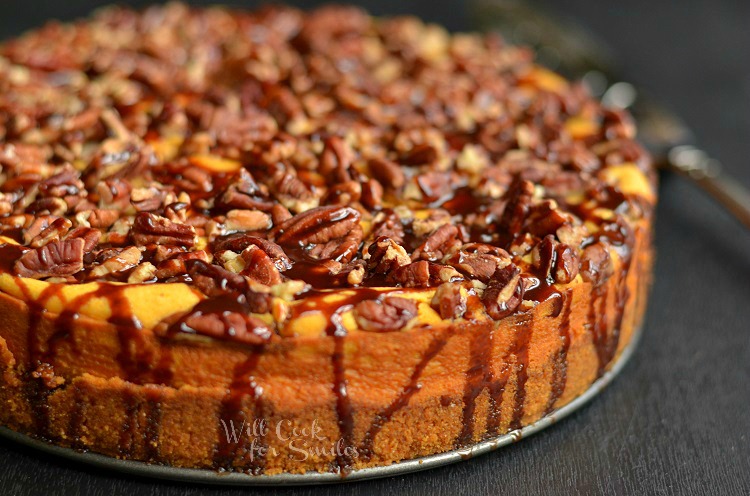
677,421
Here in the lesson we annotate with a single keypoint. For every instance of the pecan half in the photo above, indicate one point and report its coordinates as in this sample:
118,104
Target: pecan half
150,228
444,240
245,193
389,314
56,230
422,274
324,232
55,259
217,319
479,261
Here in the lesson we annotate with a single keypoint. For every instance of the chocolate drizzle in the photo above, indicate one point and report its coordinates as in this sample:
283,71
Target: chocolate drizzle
560,364
232,416
478,376
343,401
402,400
607,343
521,349
134,359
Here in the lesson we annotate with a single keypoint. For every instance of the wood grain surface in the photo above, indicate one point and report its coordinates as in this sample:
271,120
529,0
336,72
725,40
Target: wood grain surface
677,421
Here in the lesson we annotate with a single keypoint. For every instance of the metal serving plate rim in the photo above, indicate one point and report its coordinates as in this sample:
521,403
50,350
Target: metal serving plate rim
207,476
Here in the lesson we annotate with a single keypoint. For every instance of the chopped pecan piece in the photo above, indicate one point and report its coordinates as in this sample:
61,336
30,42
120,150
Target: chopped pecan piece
55,259
556,261
259,267
518,201
124,260
245,193
89,235
448,301
389,314
596,264
388,173
336,160
247,220
504,292
372,194
545,218
385,255
240,242
47,230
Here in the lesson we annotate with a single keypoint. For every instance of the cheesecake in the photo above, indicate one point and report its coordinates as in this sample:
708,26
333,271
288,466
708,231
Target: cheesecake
278,241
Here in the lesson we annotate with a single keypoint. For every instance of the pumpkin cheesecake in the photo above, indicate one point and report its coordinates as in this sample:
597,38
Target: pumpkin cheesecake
282,241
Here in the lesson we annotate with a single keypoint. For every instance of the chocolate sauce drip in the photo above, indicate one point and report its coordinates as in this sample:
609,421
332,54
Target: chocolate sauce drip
316,275
598,321
130,424
153,413
8,255
560,365
402,400
38,369
343,401
606,343
162,372
134,357
623,295
232,415
523,338
478,377
314,301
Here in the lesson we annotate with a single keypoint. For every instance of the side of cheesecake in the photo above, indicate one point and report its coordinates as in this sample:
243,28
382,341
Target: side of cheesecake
283,241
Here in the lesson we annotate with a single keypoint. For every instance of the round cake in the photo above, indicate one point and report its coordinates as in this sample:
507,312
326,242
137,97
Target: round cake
279,242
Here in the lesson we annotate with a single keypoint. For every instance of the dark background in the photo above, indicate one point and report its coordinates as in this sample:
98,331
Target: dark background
676,421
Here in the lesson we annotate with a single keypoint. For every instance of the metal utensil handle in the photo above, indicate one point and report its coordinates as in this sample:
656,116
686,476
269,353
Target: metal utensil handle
707,173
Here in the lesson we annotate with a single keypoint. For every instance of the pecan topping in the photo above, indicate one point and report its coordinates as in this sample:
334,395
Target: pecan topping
389,314
47,232
240,242
336,150
259,267
55,259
